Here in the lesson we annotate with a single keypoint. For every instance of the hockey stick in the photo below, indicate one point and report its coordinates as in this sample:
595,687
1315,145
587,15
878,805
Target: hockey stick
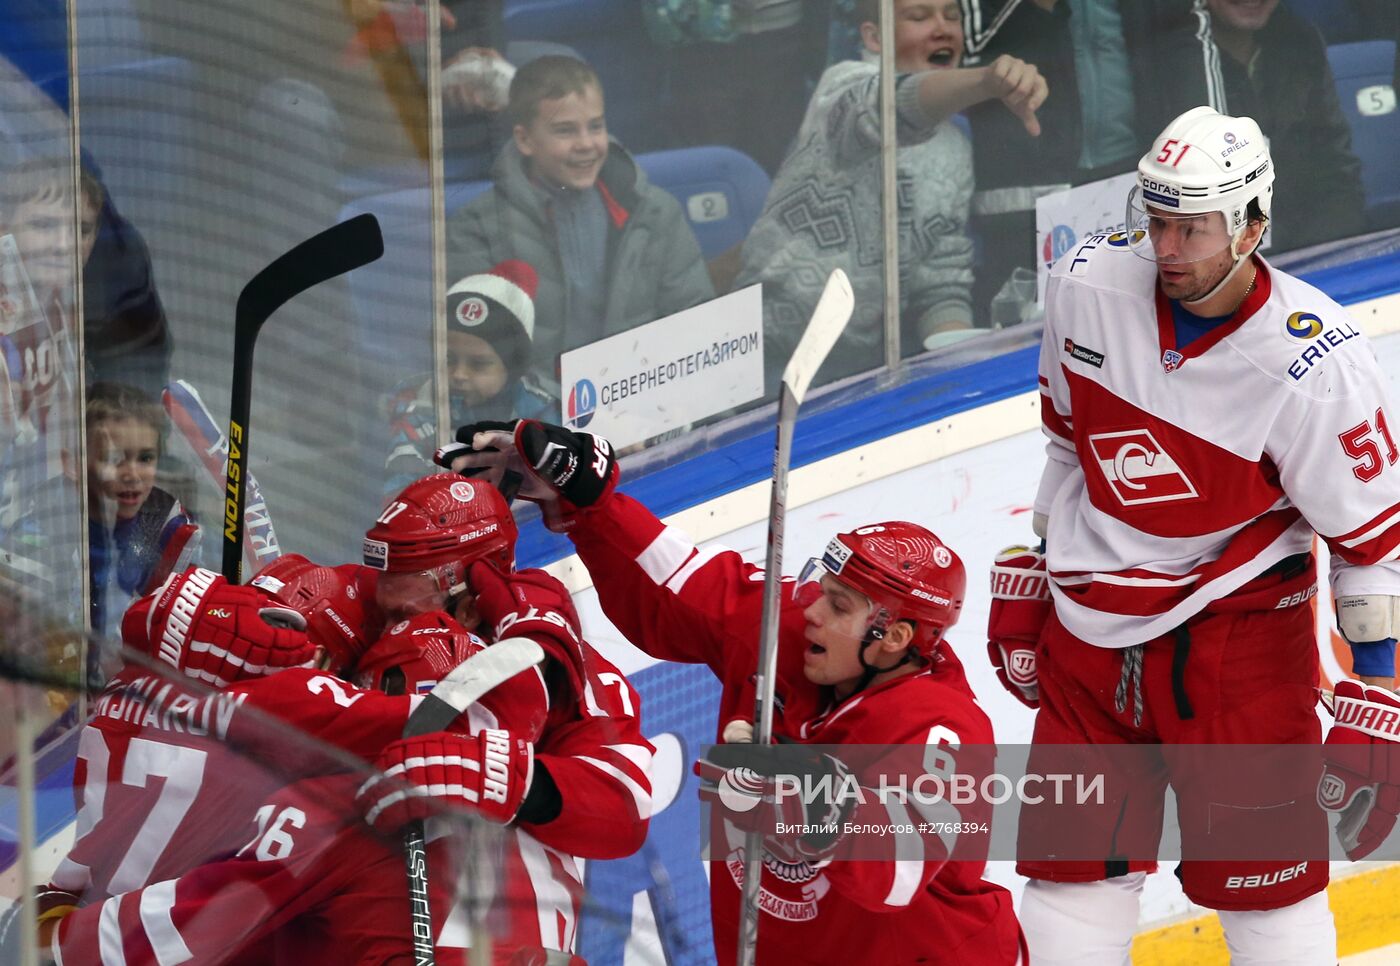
464,686
207,442
335,251
829,319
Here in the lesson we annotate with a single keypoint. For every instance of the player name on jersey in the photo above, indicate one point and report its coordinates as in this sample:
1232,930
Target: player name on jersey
153,702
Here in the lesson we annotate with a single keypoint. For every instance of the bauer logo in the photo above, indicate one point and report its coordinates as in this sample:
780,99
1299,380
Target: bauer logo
581,404
376,554
1138,470
1303,325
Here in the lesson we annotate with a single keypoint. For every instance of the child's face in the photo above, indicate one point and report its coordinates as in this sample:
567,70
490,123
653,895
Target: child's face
43,230
121,459
567,141
474,369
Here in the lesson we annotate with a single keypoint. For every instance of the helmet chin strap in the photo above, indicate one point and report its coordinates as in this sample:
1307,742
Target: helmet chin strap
868,670
1240,261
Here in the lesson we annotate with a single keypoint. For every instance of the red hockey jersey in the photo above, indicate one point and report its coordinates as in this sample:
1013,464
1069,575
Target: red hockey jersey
1175,475
310,876
680,603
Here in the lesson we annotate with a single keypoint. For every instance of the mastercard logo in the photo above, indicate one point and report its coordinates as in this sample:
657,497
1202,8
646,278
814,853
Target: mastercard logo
1303,325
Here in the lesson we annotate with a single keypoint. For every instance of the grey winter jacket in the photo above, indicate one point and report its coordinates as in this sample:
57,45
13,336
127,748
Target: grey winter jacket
654,265
823,212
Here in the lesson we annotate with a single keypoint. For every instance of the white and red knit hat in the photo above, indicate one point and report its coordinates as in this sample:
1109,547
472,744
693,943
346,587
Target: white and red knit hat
499,307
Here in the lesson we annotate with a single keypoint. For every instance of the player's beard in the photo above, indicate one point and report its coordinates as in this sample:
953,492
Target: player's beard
1193,286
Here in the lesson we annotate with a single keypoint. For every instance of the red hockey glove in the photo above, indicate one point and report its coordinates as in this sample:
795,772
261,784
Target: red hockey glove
1361,777
1020,607
488,772
528,603
217,632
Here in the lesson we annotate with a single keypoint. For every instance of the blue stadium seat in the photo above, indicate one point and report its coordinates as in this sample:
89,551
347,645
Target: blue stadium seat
720,189
1365,74
611,37
1335,18
397,286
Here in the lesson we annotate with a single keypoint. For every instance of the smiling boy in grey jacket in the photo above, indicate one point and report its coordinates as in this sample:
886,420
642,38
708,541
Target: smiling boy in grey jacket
611,250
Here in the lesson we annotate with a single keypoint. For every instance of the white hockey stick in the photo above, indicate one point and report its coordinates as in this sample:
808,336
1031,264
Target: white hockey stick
467,683
828,321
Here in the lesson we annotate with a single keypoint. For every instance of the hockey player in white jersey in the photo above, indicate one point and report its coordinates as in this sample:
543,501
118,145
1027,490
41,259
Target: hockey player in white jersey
1207,414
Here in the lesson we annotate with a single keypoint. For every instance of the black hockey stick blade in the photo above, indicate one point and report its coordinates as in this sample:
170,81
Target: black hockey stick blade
335,251
466,684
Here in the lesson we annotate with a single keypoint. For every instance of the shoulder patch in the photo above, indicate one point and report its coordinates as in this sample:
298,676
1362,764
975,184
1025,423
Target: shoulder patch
1315,340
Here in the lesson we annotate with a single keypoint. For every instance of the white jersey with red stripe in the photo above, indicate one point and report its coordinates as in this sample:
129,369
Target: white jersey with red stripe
1177,474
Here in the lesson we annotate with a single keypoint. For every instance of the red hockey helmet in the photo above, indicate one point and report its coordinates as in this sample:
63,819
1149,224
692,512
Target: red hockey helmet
440,525
906,572
327,598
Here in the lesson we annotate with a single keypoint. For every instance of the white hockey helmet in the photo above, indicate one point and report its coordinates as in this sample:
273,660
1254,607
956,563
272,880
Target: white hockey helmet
1203,162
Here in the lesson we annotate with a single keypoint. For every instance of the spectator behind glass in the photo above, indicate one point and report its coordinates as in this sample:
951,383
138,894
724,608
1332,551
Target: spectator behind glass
739,71
823,211
130,519
1012,169
611,250
1276,71
490,319
125,334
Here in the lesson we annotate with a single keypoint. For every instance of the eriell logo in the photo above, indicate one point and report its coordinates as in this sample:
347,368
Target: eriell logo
1138,469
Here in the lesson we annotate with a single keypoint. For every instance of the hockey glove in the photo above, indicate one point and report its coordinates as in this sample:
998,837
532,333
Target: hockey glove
1020,608
513,603
485,450
1361,775
759,786
217,632
488,772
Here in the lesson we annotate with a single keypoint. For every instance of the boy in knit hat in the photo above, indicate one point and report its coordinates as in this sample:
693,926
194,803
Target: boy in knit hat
490,328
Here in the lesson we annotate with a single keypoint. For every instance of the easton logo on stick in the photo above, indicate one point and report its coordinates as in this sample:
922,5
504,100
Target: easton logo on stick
235,474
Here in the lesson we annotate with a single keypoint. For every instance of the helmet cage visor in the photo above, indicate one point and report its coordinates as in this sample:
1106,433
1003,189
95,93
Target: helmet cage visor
1159,234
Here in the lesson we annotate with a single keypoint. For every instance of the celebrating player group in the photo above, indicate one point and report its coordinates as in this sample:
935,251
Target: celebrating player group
1208,418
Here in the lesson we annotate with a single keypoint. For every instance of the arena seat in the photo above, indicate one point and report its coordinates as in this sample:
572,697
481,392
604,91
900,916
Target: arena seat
1365,73
720,189
611,37
397,285
1335,18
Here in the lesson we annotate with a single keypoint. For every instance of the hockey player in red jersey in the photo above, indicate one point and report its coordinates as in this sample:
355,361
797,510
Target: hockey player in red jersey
1207,415
861,661
581,790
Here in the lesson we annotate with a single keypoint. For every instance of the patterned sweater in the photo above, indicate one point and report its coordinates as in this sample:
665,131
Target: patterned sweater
823,212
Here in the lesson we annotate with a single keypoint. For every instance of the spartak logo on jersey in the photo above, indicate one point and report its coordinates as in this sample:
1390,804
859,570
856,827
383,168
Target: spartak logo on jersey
1138,469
